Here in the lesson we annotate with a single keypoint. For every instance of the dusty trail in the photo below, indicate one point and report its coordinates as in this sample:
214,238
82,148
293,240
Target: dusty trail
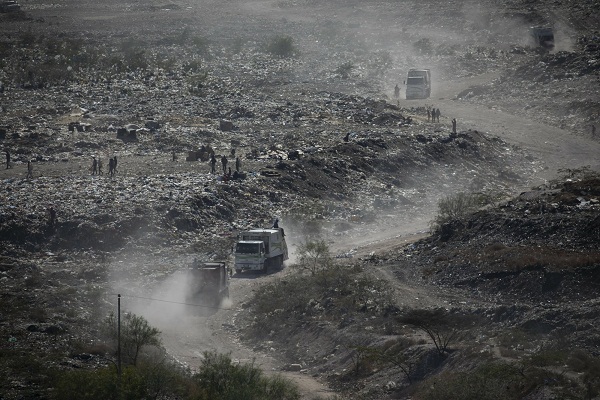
556,148
200,330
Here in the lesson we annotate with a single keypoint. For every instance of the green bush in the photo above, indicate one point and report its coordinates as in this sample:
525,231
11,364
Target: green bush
220,379
338,291
314,255
147,381
457,207
87,384
493,381
136,334
282,46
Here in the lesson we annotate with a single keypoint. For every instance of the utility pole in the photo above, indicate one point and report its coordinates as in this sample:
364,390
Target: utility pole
119,336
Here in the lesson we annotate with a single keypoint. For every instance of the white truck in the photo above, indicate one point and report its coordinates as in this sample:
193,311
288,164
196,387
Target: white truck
418,84
259,249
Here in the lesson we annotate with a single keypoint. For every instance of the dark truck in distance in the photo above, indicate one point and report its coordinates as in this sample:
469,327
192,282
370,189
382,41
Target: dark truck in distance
7,6
208,283
542,37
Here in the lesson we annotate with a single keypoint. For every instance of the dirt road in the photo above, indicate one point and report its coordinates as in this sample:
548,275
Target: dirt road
556,148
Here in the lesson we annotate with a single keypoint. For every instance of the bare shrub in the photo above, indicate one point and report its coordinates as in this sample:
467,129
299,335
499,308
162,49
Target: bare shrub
437,324
423,46
394,352
201,45
363,358
345,69
282,46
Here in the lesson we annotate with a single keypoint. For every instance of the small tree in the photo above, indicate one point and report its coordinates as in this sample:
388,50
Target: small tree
363,357
436,324
393,352
456,207
136,333
314,255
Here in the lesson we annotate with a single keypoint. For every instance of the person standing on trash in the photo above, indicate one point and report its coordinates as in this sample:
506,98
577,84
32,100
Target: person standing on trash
111,167
238,164
51,217
94,165
276,223
213,162
428,114
100,165
7,160
29,169
437,114
224,162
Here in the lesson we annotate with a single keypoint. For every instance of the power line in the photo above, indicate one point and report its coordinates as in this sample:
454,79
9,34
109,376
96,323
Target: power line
170,301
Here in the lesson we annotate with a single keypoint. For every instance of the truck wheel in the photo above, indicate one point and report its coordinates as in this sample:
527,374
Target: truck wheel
238,271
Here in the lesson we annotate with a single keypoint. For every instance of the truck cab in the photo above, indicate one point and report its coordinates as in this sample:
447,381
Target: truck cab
259,249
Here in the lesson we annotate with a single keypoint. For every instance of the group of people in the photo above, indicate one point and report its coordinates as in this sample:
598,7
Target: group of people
433,114
97,166
224,163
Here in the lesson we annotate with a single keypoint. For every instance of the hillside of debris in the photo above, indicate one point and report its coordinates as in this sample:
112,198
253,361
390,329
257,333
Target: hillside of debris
506,294
304,102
